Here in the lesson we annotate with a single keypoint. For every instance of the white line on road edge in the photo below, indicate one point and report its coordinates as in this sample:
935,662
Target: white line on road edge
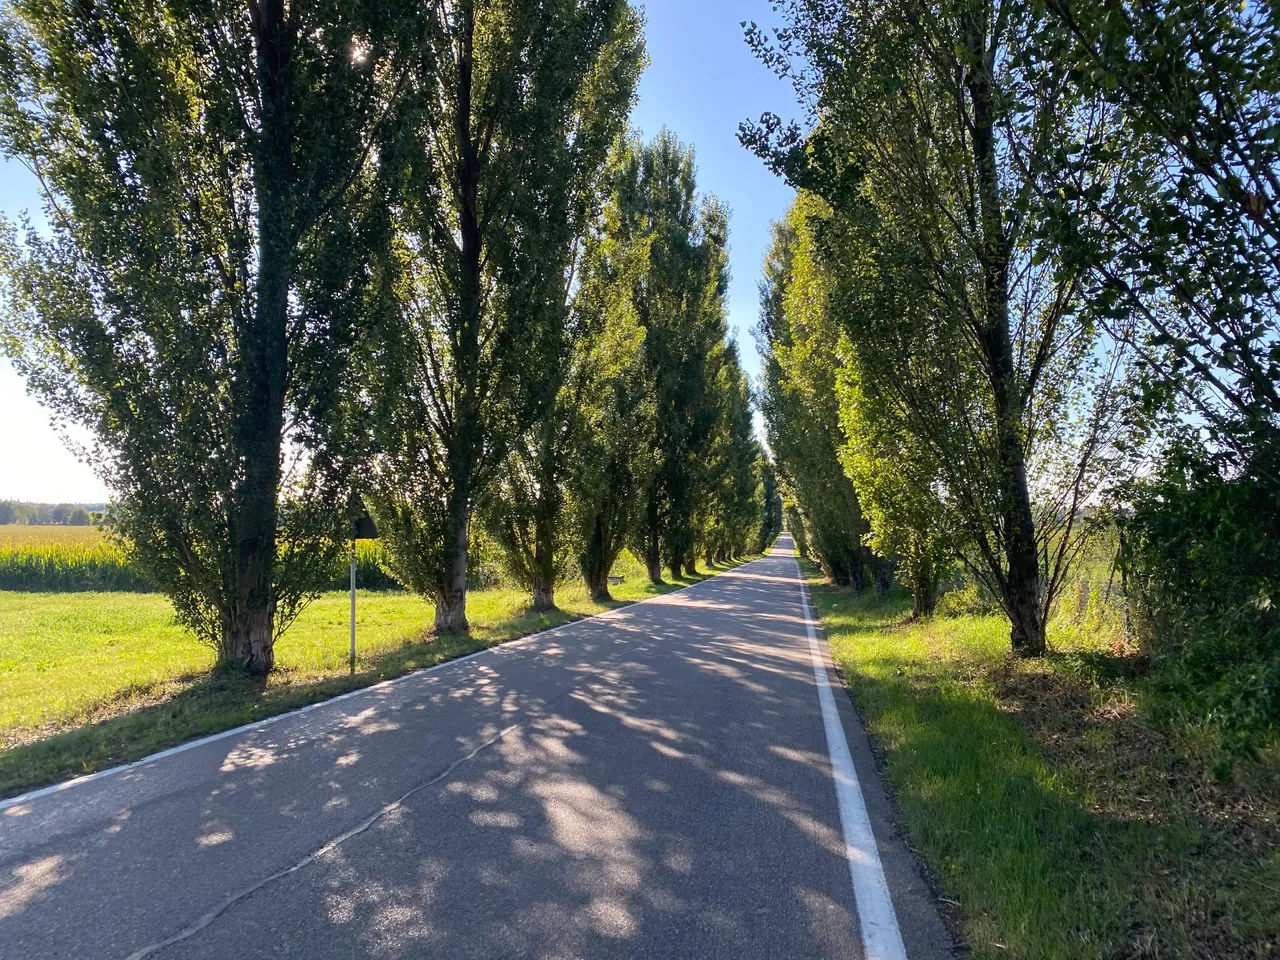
358,692
881,938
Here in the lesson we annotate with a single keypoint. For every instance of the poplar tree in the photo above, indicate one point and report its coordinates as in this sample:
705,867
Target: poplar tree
680,303
196,298
798,340
931,128
733,505
512,106
615,458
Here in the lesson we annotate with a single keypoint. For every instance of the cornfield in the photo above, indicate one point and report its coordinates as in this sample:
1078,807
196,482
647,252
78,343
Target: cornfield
55,559
64,559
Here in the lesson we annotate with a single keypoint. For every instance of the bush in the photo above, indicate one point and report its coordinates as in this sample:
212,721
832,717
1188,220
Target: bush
1202,555
965,601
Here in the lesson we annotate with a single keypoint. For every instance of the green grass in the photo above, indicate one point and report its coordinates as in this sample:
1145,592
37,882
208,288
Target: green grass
1064,823
90,680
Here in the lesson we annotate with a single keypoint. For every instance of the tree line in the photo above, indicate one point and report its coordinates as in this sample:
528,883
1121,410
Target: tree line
48,514
304,260
1027,288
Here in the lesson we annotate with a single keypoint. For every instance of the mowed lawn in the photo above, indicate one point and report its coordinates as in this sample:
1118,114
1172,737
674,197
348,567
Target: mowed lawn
1061,824
89,680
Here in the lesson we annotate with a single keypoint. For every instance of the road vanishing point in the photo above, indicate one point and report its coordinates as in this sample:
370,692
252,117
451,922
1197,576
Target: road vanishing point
682,778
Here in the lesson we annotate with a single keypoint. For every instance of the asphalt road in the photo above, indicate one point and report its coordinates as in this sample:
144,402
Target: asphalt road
656,782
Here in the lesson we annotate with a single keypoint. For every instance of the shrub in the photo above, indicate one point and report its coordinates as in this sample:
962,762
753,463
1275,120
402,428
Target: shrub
964,601
1202,555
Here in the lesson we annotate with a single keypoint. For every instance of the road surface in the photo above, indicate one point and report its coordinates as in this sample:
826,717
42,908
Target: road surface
663,781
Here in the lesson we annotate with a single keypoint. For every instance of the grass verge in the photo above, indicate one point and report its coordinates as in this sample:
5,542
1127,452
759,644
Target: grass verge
1063,822
92,680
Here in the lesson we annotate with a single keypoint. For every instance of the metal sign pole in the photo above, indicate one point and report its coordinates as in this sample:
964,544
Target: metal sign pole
353,604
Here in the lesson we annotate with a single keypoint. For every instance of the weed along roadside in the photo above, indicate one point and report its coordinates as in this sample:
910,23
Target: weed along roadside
93,680
1061,821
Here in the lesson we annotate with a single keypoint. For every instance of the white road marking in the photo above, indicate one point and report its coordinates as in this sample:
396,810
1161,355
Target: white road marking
881,938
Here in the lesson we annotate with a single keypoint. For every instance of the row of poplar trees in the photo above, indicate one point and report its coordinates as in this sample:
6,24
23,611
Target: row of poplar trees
408,252
1029,286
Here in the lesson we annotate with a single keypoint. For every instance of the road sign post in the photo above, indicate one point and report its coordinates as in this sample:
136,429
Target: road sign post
353,604
362,528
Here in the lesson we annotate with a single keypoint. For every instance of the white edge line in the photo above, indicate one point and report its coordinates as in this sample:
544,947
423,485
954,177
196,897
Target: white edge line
382,684
881,937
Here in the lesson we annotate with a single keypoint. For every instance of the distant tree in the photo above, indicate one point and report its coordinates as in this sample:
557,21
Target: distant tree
206,170
900,514
79,517
7,513
513,105
730,510
772,520
899,485
680,303
795,526
615,458
531,508
798,340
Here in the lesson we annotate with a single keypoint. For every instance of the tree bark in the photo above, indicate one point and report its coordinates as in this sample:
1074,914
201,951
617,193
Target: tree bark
653,538
1021,582
839,575
924,589
596,563
884,576
258,387
544,595
544,561
451,592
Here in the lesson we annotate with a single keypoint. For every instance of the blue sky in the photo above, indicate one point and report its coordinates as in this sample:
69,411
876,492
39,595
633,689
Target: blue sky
702,83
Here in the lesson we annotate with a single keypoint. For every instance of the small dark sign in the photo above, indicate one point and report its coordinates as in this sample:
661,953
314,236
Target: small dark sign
363,527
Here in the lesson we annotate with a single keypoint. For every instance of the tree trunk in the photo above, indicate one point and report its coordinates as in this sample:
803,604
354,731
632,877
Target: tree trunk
546,521
248,642
598,584
544,595
1021,583
924,589
884,576
654,564
451,592
839,575
1022,601
858,568
595,562
544,565
258,389
653,539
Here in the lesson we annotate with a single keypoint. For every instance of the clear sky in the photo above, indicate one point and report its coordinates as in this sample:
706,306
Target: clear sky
702,83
